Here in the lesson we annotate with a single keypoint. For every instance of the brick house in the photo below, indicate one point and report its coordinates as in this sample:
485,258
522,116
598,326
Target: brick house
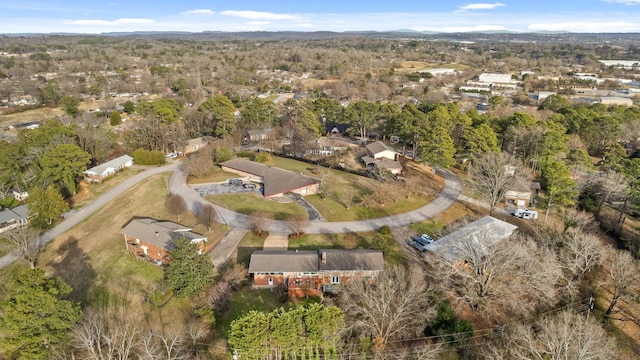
153,240
312,272
276,181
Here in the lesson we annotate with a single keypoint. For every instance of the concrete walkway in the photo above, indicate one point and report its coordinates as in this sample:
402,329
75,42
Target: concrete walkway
223,250
276,242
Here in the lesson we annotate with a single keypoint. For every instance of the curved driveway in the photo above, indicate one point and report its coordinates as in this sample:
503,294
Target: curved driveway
74,217
446,198
177,184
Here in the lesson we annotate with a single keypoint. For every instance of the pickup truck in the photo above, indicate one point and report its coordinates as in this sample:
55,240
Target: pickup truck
420,242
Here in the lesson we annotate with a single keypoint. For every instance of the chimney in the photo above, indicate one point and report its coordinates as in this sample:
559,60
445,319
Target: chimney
324,257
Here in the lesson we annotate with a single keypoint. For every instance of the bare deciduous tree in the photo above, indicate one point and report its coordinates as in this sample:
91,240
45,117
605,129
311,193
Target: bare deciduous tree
500,279
347,196
297,223
101,336
579,254
25,243
176,205
576,220
622,279
208,215
397,306
490,179
259,220
607,187
199,164
563,336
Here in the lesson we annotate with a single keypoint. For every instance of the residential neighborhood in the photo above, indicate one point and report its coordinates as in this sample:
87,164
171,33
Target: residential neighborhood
221,195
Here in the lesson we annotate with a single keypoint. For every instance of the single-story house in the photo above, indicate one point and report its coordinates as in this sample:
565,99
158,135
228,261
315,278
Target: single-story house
153,240
522,193
259,135
331,129
483,233
395,167
378,150
276,181
327,147
98,173
311,272
13,218
196,144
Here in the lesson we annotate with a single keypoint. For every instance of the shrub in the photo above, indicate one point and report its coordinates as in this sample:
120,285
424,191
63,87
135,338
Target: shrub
223,154
148,157
115,118
262,157
385,230
244,154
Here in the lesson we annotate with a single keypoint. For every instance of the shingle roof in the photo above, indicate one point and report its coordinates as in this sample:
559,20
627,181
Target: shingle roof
276,181
351,260
284,261
378,147
14,214
311,260
115,164
484,232
159,233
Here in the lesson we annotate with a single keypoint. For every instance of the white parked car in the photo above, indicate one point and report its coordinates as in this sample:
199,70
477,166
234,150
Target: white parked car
526,214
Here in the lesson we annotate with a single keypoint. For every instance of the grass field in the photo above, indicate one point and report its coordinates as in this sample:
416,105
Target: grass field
88,192
247,203
332,207
92,257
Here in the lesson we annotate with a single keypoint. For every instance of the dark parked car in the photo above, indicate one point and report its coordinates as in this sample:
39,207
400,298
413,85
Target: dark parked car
235,181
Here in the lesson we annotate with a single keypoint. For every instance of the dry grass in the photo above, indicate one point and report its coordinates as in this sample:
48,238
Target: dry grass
92,257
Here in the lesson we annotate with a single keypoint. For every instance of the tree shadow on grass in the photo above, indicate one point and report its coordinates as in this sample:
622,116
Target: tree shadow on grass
74,267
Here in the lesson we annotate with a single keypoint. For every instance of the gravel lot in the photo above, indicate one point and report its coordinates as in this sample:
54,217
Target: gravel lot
223,188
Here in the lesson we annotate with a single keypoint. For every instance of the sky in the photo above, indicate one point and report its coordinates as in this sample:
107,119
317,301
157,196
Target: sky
95,16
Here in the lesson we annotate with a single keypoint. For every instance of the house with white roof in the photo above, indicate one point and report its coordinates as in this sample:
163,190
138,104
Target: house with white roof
97,174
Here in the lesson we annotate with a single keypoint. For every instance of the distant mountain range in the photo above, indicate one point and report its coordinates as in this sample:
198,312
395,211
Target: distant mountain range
485,36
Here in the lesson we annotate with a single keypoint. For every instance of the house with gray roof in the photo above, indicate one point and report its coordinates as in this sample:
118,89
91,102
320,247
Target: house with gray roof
276,181
153,240
97,174
311,272
481,234
13,218
379,150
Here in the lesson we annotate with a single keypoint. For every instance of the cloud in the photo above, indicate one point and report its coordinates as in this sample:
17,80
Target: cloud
626,2
258,15
258,23
118,22
590,26
480,6
198,12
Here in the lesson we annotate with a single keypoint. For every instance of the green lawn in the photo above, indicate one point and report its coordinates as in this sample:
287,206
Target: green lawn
249,243
89,192
214,175
245,300
247,203
368,240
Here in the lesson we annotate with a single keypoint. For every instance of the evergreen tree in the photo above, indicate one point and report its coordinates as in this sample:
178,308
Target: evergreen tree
36,319
189,271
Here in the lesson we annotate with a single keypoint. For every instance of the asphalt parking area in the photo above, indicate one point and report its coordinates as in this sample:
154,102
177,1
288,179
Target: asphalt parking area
223,188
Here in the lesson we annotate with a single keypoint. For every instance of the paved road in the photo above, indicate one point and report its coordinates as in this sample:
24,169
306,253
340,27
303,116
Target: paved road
178,184
446,198
74,217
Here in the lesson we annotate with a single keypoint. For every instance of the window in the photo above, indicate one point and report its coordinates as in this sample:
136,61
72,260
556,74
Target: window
335,279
